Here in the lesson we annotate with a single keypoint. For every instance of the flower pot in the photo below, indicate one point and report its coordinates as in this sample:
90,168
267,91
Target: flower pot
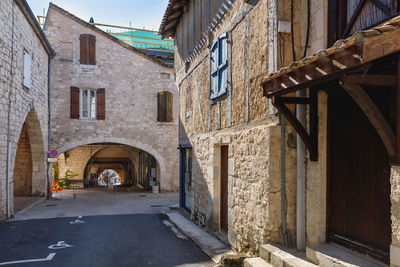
156,189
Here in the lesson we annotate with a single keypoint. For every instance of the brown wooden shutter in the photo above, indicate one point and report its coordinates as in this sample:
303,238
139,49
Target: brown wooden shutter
159,106
169,105
84,47
74,113
88,49
92,50
101,104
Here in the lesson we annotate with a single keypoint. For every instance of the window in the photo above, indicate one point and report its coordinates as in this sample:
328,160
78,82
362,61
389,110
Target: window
27,69
164,107
219,67
88,104
87,49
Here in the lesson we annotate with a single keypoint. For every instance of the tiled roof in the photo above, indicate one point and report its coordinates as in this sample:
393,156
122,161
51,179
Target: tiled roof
172,16
381,33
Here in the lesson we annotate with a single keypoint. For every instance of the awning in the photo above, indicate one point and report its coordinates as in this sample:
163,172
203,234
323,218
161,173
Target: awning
332,63
344,64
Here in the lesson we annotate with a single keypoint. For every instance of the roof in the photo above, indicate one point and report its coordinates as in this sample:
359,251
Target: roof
358,49
171,18
26,10
105,34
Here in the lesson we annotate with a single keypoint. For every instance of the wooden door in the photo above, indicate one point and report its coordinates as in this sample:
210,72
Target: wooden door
224,189
358,175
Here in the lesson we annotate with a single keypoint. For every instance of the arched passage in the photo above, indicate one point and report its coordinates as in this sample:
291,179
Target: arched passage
90,160
29,172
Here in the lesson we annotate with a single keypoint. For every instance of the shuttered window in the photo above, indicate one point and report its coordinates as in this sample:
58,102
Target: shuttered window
87,49
27,69
164,107
87,103
219,67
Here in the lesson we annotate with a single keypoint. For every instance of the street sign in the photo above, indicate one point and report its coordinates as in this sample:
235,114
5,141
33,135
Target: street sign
51,159
56,187
53,153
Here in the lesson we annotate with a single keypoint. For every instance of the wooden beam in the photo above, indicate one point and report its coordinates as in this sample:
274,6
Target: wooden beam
398,110
300,129
372,79
294,100
374,115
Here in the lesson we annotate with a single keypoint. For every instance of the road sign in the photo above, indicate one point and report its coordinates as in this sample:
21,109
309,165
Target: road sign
56,187
53,153
51,159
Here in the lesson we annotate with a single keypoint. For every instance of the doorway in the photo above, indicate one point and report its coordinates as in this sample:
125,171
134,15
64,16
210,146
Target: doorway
224,189
359,174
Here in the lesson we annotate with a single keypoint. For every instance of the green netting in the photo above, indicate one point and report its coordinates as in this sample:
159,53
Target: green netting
139,39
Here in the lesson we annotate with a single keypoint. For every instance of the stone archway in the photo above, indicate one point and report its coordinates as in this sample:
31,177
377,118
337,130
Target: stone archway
29,164
161,163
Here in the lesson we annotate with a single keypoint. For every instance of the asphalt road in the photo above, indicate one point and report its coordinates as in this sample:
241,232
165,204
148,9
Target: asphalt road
116,240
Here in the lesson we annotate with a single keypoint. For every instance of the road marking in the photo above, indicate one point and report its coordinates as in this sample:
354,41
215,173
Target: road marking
60,245
49,258
77,222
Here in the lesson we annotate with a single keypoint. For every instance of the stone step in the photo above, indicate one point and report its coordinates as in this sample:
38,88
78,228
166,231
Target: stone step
329,255
255,262
282,257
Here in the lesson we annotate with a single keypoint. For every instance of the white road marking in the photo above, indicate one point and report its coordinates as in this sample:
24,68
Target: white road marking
49,258
60,245
77,222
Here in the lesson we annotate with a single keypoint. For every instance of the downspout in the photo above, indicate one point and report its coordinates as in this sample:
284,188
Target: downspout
8,119
48,123
301,160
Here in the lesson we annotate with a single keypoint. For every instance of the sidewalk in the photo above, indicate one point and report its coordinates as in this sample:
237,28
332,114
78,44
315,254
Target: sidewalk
214,248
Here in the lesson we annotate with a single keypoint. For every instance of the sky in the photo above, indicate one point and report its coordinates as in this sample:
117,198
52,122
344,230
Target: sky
135,13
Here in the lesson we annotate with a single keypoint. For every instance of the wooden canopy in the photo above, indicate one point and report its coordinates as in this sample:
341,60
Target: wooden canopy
345,64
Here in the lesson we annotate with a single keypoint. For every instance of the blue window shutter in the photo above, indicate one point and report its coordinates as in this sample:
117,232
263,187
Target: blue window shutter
223,65
214,70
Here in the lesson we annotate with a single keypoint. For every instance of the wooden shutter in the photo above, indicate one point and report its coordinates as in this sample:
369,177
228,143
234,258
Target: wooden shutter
92,50
214,70
161,107
101,104
169,105
74,113
88,49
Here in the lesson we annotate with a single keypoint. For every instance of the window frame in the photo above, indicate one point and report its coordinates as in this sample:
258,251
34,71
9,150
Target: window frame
219,68
27,81
81,110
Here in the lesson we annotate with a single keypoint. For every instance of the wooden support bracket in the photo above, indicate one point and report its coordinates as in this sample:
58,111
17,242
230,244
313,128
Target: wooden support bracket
374,115
310,139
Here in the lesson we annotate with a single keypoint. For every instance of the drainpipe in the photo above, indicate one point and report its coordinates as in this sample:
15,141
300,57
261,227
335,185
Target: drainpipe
48,123
301,181
9,119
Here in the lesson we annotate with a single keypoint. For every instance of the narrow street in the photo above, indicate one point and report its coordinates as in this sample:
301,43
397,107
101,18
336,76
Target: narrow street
134,232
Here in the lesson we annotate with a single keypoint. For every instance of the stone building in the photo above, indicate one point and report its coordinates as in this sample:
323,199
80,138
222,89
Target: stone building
24,66
229,137
112,106
332,190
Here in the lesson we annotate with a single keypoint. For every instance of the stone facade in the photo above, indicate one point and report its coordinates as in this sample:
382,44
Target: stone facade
243,122
27,107
131,81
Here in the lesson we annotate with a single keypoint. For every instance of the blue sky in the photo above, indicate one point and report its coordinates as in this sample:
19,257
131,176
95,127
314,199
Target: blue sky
139,13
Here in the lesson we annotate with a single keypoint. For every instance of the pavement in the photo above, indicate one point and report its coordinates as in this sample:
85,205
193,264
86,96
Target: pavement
213,247
100,203
101,229
113,240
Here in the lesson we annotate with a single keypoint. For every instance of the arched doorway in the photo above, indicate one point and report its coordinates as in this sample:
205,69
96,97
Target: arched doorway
29,171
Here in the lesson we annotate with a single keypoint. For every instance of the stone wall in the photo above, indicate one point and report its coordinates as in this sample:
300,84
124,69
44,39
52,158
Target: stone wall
34,102
131,81
241,121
